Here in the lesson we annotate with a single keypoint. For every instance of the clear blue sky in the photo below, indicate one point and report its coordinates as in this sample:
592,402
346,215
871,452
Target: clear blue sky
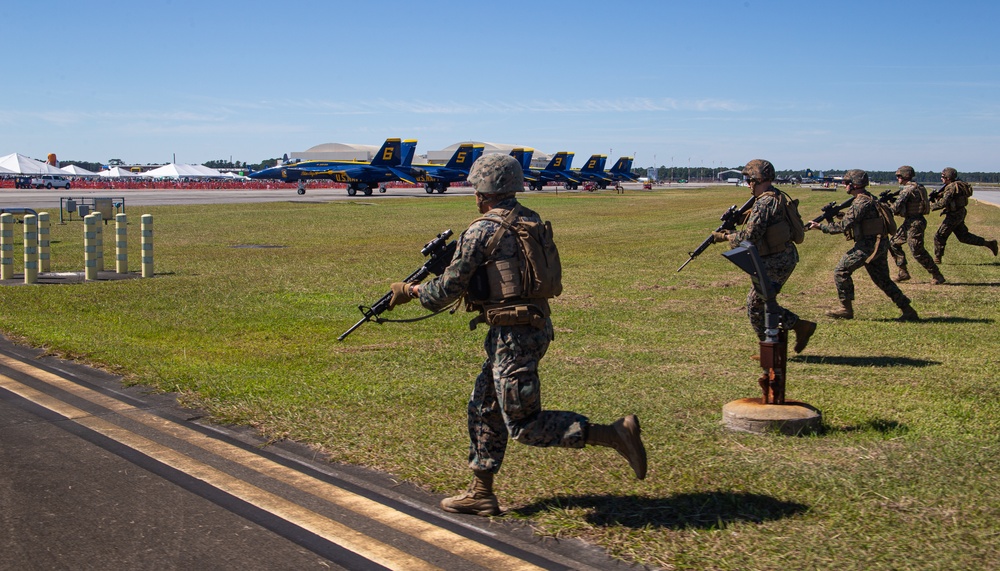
821,85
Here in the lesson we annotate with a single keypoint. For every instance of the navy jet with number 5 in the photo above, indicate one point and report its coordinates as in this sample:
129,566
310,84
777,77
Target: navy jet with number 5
391,163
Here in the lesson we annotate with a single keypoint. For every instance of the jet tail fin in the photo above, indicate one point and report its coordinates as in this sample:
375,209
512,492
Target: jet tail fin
394,152
560,162
464,156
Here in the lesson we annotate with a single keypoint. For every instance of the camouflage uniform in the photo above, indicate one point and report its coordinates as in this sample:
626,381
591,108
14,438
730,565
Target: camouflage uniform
953,200
506,399
767,210
912,204
868,251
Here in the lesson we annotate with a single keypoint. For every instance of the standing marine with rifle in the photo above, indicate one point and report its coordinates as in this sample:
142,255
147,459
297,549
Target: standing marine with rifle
865,223
497,271
769,227
953,197
912,204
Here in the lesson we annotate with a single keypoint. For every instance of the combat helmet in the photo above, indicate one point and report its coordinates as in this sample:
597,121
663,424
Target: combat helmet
496,173
759,170
857,177
950,173
906,172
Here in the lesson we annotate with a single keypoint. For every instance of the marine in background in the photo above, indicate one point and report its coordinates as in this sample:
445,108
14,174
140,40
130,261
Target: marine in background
863,223
953,198
767,227
912,204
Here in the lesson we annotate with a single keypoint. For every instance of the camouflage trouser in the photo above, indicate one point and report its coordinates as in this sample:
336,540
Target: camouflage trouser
507,400
955,222
911,233
778,267
878,269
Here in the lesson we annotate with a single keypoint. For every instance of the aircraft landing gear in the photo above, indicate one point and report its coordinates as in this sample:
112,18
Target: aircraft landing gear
368,191
381,188
302,188
428,188
351,190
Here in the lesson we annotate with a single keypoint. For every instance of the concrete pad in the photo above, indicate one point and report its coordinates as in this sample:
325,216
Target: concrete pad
70,278
792,418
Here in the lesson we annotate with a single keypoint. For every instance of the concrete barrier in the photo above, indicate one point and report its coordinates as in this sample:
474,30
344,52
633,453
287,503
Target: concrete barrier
30,249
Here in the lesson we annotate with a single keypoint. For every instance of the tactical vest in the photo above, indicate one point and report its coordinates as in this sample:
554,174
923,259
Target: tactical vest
917,203
960,196
777,236
867,227
514,291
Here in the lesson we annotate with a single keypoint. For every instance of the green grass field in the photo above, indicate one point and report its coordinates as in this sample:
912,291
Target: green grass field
904,476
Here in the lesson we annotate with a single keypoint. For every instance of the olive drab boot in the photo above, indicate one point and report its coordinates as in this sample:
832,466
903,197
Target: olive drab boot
803,331
478,499
624,436
992,245
845,311
903,275
909,314
937,279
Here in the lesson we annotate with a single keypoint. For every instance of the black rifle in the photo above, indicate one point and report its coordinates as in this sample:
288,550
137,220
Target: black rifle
936,194
440,254
730,218
888,196
831,210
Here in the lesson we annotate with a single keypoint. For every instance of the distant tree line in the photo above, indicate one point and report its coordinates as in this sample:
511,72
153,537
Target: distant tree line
885,177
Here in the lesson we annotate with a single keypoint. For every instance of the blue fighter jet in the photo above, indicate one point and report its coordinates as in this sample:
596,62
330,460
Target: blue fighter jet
439,178
556,171
389,164
593,172
622,171
523,156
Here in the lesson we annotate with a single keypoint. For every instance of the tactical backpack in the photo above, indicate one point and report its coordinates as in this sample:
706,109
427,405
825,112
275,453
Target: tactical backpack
541,269
795,223
887,217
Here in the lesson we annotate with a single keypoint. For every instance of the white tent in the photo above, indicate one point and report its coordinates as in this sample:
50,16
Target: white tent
74,170
21,164
6,171
118,172
173,170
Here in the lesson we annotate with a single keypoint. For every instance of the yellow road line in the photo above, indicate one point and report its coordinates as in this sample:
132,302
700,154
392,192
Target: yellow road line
449,541
339,534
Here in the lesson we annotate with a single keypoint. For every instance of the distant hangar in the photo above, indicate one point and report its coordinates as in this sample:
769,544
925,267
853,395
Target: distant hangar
351,152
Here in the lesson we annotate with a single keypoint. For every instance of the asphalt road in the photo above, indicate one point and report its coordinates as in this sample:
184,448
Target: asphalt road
97,476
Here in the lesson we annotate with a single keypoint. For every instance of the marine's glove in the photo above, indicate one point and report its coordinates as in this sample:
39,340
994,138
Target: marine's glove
720,236
400,294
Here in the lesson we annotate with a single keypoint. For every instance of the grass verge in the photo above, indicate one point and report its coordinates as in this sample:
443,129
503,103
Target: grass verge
903,476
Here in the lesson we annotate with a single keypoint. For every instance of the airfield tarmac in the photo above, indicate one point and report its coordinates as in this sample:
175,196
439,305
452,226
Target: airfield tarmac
48,200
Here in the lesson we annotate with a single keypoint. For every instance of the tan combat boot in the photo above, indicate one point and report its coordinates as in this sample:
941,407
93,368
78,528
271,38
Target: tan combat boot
992,245
903,275
937,279
803,331
478,499
624,436
845,311
909,314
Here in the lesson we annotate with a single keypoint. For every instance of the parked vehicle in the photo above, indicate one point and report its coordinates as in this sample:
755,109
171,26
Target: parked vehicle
50,181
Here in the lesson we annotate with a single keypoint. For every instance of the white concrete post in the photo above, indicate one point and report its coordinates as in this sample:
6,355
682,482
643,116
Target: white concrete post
121,243
6,246
99,239
44,257
90,247
30,249
147,245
